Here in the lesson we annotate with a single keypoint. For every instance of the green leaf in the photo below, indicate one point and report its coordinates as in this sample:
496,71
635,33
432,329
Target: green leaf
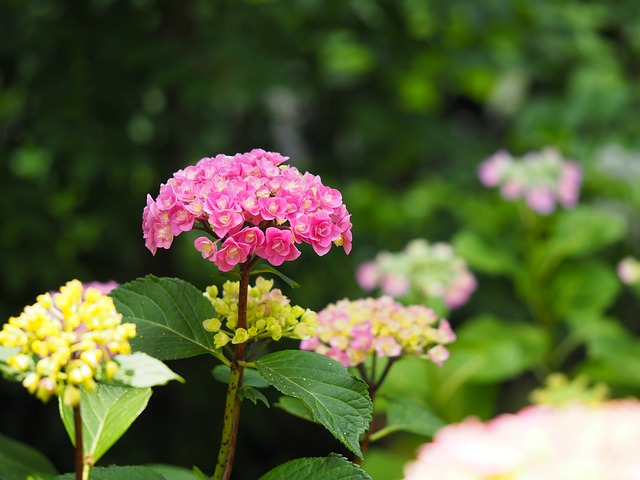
584,230
18,460
296,408
330,468
337,399
489,349
171,472
116,472
252,394
482,256
140,370
580,289
168,313
406,415
9,373
266,268
107,413
250,377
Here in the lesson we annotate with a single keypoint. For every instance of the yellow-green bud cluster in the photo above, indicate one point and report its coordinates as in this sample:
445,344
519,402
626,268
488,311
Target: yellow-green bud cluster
67,340
269,315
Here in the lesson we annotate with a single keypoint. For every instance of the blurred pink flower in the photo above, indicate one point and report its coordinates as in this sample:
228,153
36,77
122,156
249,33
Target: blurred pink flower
629,271
542,178
574,441
422,272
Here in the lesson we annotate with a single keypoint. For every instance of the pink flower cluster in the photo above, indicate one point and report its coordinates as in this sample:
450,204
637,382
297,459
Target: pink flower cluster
541,178
574,441
350,331
250,204
422,272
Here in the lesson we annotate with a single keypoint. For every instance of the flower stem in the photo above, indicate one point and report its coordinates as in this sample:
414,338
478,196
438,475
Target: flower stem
231,421
79,459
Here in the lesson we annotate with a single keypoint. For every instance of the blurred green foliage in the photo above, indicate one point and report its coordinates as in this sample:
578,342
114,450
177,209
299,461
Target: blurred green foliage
394,103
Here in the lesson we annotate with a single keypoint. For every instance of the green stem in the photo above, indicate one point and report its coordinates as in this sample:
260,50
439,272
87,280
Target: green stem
227,451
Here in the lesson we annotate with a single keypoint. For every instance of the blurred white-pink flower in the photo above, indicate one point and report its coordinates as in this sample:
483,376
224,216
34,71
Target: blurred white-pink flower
575,441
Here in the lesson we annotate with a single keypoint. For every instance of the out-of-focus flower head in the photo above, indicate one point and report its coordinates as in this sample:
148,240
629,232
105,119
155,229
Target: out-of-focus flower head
249,204
422,272
573,441
559,390
542,178
66,340
350,331
269,315
629,271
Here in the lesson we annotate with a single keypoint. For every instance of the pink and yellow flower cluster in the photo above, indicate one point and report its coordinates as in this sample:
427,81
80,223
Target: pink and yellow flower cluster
350,331
269,315
250,204
542,178
573,441
629,271
423,272
66,340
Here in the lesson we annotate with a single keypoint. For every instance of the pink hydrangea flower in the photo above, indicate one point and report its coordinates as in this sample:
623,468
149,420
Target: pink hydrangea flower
248,204
573,441
351,331
542,178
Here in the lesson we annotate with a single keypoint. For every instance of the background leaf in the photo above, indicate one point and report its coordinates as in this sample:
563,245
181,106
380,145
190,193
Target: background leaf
406,415
168,313
18,460
330,468
337,399
489,349
172,472
107,413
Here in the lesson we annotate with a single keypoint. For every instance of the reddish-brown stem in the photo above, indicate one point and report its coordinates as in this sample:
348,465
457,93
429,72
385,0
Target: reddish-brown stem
79,459
227,451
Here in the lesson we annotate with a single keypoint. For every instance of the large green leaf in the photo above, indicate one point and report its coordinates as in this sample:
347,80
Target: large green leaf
116,472
406,415
330,468
107,413
18,461
141,370
168,313
336,398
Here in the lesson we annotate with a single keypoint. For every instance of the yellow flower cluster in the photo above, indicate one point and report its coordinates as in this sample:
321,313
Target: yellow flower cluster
269,315
67,340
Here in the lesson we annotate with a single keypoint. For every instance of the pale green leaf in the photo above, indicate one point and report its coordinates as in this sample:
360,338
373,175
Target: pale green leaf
18,460
107,413
168,313
253,394
337,399
330,468
171,472
140,370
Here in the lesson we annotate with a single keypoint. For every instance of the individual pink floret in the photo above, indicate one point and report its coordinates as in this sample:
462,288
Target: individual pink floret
278,246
